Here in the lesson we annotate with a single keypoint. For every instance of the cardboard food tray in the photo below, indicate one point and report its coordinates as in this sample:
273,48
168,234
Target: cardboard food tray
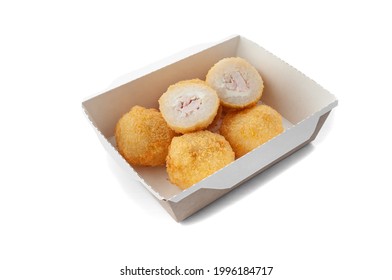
303,104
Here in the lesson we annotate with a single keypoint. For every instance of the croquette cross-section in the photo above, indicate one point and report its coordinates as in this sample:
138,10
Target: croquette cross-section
194,156
143,137
237,82
189,105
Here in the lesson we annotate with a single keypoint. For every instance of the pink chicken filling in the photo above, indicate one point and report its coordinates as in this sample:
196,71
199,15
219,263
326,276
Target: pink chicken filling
187,105
235,81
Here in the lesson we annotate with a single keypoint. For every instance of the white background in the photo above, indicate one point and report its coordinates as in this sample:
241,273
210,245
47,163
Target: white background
67,210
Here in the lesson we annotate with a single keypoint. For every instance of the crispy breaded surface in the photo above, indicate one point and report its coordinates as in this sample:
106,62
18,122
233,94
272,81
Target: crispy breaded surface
194,156
249,128
189,105
143,137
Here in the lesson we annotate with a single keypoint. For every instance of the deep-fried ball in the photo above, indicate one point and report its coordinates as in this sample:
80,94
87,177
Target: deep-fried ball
249,128
189,105
143,137
194,156
236,81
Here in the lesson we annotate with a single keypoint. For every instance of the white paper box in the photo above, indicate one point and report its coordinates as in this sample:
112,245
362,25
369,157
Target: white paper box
303,104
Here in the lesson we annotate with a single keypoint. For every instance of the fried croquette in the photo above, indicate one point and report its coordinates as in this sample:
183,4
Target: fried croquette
189,105
249,128
194,156
143,137
237,82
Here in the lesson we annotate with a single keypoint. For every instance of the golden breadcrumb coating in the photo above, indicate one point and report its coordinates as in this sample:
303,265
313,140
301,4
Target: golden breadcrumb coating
194,156
143,137
189,105
249,128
